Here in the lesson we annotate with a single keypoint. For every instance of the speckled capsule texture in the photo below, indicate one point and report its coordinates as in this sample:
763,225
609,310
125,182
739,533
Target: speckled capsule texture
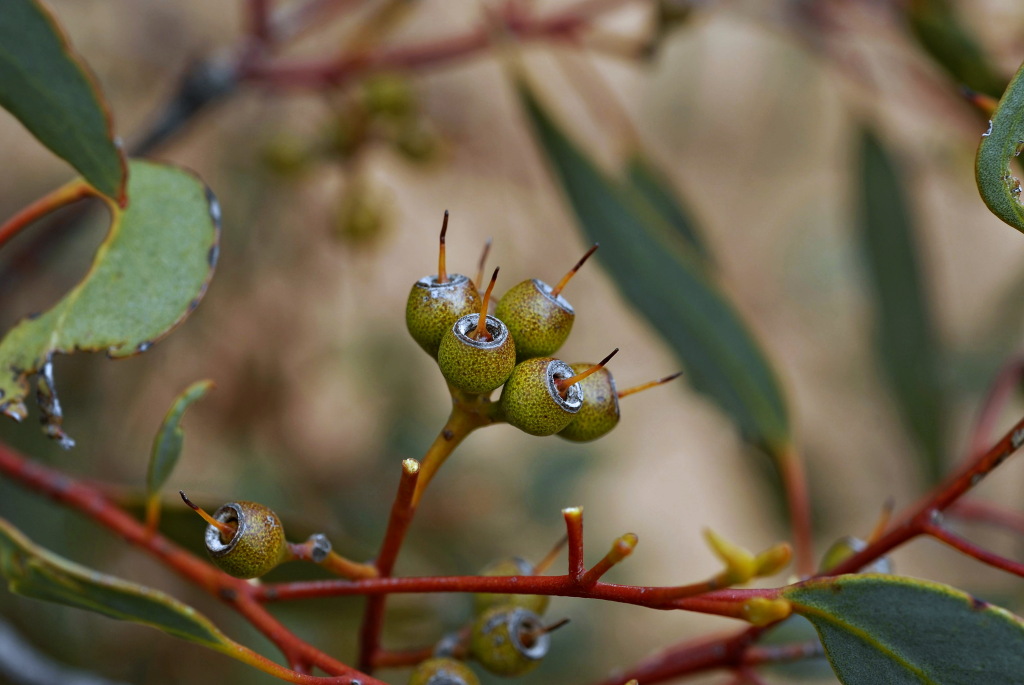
433,307
539,321
530,400
512,566
257,546
507,641
600,410
476,366
443,671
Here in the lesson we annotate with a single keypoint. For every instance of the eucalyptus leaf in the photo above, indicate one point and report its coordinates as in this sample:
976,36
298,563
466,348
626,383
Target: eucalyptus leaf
148,275
653,185
663,278
45,85
168,441
35,572
906,339
1000,145
887,629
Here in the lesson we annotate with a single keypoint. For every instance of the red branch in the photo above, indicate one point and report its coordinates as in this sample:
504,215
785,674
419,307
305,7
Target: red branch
334,71
235,592
970,549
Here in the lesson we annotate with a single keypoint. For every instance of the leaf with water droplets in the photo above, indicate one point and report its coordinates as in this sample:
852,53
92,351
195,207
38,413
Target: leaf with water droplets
147,277
1000,145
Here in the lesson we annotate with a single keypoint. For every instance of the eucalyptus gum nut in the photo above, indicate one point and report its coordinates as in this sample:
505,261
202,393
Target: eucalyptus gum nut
497,641
476,366
257,546
600,410
530,400
539,321
512,566
433,307
844,548
443,671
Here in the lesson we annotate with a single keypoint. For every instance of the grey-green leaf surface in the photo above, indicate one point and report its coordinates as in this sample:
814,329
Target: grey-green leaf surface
664,279
999,146
34,572
651,183
906,339
45,85
169,439
148,275
903,631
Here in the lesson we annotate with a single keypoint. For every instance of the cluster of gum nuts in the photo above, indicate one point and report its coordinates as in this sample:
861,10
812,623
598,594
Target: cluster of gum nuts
478,352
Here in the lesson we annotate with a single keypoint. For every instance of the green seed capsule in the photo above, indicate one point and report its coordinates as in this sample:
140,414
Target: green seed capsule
539,321
512,566
443,671
472,365
257,546
600,410
434,307
509,641
531,402
844,548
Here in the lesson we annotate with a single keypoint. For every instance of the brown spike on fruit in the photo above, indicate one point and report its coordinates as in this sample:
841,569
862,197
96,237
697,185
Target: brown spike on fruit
481,328
442,275
227,531
563,383
483,262
572,272
530,636
650,384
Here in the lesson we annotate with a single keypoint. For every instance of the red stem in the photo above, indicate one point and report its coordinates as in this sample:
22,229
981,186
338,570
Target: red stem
235,592
65,195
258,22
971,510
316,73
996,399
574,534
799,501
402,511
972,550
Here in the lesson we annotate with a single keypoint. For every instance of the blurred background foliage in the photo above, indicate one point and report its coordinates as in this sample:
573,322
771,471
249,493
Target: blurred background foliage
757,113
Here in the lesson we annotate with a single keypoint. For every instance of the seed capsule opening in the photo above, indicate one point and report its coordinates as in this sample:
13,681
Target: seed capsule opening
573,400
556,299
525,631
434,281
464,328
229,513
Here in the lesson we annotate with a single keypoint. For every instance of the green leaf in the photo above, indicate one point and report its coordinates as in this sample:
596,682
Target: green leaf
148,275
35,572
663,278
943,35
46,86
884,629
906,340
999,188
650,182
169,439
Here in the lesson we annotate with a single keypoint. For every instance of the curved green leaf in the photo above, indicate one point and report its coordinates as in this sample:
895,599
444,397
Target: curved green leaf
168,441
885,629
906,339
35,572
665,280
148,275
1000,189
45,85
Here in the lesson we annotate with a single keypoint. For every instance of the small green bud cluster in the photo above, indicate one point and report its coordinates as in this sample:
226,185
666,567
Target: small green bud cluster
514,348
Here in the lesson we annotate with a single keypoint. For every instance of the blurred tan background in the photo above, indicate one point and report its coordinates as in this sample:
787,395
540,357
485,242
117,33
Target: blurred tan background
320,391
